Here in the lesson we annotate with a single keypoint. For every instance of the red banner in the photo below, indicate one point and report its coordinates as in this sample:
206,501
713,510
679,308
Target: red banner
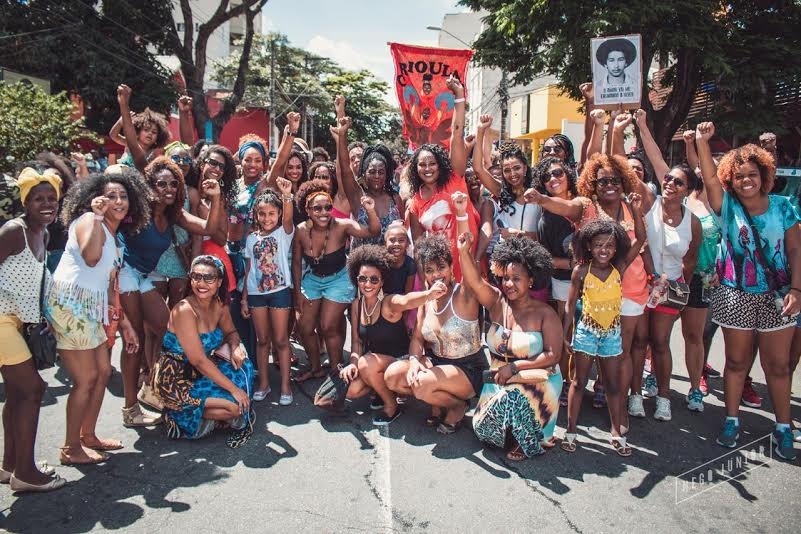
426,103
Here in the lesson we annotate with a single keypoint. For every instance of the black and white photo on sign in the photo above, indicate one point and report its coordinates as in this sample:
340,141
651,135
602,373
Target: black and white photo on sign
616,69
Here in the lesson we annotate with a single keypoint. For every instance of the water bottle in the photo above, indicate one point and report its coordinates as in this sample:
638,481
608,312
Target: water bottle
658,291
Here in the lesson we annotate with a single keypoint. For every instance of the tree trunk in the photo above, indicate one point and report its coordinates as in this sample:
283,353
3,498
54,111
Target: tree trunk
667,120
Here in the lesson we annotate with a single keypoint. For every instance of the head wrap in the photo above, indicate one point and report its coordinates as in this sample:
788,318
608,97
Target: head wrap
29,178
316,194
176,144
208,257
251,144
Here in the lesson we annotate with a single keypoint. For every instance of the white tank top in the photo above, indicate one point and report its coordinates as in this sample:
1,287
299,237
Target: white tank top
21,282
526,217
668,244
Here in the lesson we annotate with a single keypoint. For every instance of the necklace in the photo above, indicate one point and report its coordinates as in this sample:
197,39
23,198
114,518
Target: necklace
667,217
369,314
325,243
440,312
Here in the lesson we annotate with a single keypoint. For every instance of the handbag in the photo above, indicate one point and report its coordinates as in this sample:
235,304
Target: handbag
677,292
331,394
40,340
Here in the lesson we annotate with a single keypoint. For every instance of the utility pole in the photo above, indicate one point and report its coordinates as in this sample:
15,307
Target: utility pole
503,92
273,144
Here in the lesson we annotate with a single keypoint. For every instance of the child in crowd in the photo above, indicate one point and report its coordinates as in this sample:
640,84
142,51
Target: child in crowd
142,133
266,297
403,269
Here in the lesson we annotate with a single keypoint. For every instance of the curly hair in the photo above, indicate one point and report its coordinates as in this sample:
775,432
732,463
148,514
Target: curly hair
252,137
320,151
213,262
307,189
79,198
506,199
384,155
228,183
566,144
593,229
150,118
541,176
332,172
750,153
372,255
443,163
528,253
619,167
304,165
433,248
267,197
153,168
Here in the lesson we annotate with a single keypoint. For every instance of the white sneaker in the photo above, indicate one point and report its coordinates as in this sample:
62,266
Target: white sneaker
695,401
285,400
649,387
662,412
797,435
261,394
636,409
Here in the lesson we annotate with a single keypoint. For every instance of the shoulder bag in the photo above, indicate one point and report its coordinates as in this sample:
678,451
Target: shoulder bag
40,340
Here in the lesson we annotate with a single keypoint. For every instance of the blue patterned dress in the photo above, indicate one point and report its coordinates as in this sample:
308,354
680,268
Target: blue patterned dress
184,390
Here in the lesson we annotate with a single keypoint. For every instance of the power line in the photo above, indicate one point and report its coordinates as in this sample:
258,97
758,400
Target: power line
36,31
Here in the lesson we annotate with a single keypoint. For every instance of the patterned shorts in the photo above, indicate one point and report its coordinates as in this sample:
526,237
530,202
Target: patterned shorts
73,331
734,308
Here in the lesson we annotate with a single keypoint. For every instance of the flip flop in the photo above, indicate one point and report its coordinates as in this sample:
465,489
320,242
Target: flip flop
308,375
516,454
448,428
103,444
434,419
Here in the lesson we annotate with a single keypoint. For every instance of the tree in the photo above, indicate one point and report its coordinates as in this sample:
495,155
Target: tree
742,49
308,83
31,121
88,47
191,52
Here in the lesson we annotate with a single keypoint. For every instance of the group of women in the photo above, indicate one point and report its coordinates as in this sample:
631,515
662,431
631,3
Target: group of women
203,261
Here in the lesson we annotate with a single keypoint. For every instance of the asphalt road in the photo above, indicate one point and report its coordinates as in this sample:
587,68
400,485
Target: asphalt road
305,471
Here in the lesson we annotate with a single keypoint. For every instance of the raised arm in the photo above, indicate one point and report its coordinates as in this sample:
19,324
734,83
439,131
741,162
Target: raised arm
116,132
484,230
89,231
136,150
689,143
589,104
479,165
458,150
598,117
618,141
284,149
709,171
285,188
572,209
185,120
651,149
486,294
216,219
352,189
373,228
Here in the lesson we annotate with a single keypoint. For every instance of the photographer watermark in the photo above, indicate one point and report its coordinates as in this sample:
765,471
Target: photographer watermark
730,466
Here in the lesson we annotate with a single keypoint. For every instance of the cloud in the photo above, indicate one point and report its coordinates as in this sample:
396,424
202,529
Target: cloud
343,53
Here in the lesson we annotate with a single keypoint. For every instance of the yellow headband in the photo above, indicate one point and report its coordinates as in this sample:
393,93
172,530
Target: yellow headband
29,178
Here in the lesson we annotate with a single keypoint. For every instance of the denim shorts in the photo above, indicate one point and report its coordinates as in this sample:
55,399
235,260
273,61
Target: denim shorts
277,300
604,345
132,280
336,288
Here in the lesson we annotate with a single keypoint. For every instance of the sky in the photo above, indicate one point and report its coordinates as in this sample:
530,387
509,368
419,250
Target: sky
355,33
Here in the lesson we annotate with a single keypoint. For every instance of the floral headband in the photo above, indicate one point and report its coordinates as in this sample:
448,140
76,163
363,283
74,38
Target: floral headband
208,257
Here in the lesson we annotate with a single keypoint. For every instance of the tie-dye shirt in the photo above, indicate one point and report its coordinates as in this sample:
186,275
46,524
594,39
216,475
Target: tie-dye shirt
738,264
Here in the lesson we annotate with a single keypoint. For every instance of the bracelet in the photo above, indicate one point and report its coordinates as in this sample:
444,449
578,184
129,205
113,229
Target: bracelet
795,289
288,198
462,218
413,357
293,134
458,100
98,217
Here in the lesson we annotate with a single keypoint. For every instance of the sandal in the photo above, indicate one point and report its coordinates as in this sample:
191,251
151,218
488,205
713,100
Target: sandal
569,443
101,444
308,375
620,446
599,400
434,419
65,459
516,454
448,428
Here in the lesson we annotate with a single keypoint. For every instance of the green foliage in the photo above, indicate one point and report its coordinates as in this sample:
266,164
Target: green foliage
741,48
308,83
88,52
32,121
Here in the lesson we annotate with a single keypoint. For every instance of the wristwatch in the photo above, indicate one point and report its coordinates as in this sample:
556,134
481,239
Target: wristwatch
513,367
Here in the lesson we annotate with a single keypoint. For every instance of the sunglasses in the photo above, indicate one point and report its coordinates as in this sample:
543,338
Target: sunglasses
503,347
319,209
364,279
556,173
552,149
209,278
214,163
678,182
179,160
163,184
604,182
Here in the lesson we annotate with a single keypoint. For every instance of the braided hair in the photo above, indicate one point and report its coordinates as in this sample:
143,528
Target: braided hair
384,155
507,197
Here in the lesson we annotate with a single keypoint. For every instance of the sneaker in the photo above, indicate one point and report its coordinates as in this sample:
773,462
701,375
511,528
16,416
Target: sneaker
376,403
650,389
703,386
750,397
133,417
695,401
797,435
261,394
636,409
729,434
564,393
285,400
783,439
147,397
710,371
401,400
382,419
662,412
